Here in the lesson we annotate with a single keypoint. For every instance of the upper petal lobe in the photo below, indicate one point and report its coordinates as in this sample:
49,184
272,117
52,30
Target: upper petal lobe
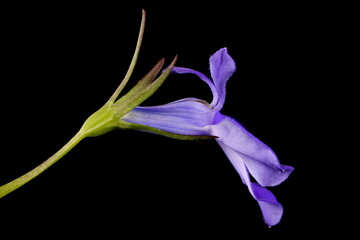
222,67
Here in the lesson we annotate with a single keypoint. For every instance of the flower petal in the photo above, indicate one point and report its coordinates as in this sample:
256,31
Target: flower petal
182,70
222,67
260,160
187,116
267,175
271,209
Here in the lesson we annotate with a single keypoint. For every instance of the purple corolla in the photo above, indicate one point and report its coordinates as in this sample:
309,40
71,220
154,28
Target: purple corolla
192,116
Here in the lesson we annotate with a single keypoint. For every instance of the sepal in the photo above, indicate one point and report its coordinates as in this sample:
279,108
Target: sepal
143,89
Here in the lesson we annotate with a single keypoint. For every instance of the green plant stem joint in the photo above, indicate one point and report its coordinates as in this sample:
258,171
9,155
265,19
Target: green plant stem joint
108,117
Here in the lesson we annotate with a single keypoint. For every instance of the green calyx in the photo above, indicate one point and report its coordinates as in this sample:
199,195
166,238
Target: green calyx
109,116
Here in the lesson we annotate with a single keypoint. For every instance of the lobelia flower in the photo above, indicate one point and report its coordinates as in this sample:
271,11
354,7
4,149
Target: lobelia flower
186,119
191,116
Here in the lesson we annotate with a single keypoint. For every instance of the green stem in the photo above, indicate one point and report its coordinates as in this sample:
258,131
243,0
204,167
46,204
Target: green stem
20,181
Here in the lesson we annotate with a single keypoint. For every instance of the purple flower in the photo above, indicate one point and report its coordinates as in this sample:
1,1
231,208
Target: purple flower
192,116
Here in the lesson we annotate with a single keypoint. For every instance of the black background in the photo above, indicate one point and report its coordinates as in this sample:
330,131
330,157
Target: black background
61,62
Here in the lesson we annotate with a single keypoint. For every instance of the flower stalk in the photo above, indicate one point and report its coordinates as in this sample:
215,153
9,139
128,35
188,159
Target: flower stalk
22,180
